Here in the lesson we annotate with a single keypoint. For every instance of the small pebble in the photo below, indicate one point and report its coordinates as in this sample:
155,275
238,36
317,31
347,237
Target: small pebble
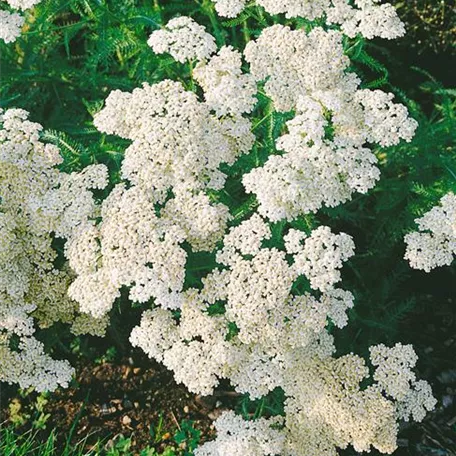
107,409
214,414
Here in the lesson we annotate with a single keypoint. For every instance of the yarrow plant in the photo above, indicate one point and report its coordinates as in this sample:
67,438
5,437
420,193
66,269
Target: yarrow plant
38,204
434,244
11,22
262,316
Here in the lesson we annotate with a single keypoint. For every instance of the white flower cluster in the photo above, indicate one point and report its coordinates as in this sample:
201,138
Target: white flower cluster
196,351
368,18
229,8
386,122
326,408
22,4
321,257
296,63
184,39
280,340
434,244
255,287
365,17
11,23
178,144
248,323
37,203
296,8
394,376
324,157
131,247
227,90
417,402
30,366
238,437
10,26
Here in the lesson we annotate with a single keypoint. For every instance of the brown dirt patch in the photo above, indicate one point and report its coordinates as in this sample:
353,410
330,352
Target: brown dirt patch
136,399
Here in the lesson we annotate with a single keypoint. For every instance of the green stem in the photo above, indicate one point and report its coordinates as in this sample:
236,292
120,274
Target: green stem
208,8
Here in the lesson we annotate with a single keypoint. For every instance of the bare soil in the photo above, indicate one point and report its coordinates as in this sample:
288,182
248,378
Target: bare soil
139,400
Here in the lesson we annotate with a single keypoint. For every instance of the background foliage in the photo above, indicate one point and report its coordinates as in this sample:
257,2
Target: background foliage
75,52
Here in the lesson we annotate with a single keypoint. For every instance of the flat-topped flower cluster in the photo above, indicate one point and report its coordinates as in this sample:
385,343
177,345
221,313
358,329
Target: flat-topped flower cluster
11,22
366,17
434,244
249,322
37,204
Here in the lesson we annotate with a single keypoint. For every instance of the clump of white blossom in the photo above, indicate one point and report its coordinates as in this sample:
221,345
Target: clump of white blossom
178,144
321,256
247,323
308,73
22,4
37,204
177,141
369,18
10,22
325,158
255,286
10,26
238,437
434,244
281,341
184,39
394,376
366,17
229,8
227,90
250,321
